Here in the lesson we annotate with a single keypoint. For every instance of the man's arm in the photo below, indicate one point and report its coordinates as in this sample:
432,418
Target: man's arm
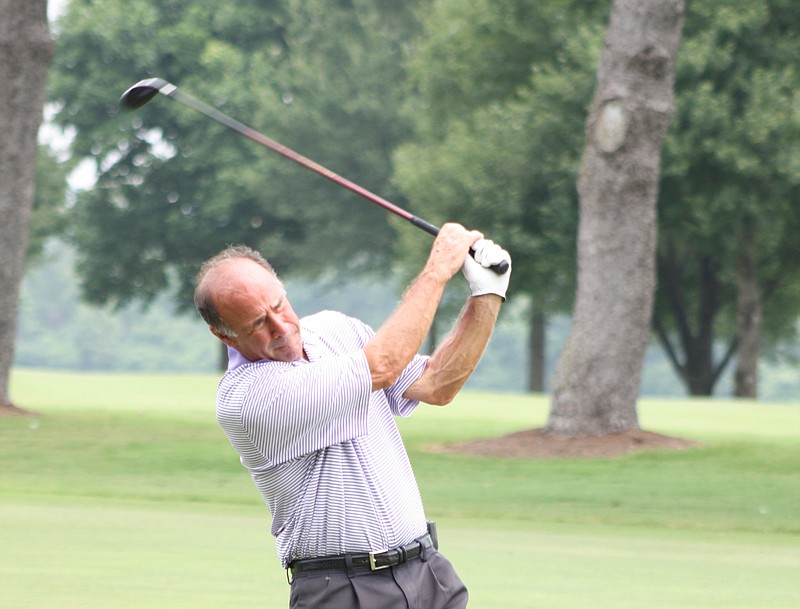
454,360
399,339
452,363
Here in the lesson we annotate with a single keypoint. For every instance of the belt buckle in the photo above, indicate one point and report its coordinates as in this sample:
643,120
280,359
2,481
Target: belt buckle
372,565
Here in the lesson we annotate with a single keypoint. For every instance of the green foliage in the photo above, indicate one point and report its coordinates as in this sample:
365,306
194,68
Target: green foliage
174,188
58,331
481,106
477,54
501,91
503,156
49,212
731,158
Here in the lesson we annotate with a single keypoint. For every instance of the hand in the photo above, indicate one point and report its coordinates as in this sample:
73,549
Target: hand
481,279
449,248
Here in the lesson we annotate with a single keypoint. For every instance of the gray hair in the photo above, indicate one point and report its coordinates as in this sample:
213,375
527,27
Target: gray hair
204,296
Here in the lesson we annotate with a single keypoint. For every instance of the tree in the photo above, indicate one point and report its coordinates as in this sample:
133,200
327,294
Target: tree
500,92
728,254
174,188
26,49
597,377
49,212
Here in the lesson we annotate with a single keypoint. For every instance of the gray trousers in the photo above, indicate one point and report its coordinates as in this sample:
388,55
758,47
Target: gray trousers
416,584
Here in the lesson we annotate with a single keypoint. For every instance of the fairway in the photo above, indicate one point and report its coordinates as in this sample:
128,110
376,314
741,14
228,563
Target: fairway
126,494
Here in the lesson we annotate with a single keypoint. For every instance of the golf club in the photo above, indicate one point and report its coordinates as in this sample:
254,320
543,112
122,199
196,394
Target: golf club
142,92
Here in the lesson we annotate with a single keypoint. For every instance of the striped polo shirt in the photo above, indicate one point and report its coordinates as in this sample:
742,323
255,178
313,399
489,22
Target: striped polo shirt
322,448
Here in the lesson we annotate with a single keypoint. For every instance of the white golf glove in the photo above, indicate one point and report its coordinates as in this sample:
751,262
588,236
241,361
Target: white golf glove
481,279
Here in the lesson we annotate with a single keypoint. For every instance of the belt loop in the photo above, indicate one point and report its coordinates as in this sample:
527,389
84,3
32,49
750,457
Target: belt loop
423,553
348,561
434,535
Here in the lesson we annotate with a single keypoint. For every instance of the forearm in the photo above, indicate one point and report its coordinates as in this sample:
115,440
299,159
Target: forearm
456,358
400,337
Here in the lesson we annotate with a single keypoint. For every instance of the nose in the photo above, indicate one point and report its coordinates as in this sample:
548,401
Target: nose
279,326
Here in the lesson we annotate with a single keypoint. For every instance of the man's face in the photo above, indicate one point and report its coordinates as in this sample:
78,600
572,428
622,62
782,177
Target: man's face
253,304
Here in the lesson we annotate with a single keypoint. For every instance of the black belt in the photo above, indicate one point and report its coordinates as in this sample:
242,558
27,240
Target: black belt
374,560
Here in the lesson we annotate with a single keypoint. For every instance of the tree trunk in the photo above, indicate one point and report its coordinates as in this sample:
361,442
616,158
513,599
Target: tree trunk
537,351
26,50
748,315
690,347
598,374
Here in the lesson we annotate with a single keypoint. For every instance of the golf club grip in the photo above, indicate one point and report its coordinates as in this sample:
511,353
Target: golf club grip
424,225
500,268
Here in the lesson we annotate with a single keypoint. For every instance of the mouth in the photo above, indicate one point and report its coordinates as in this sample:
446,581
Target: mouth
284,347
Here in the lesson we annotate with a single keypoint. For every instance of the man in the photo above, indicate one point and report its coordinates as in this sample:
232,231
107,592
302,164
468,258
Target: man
309,405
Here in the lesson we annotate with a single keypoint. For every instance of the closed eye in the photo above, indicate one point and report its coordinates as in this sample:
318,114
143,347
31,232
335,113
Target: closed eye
257,323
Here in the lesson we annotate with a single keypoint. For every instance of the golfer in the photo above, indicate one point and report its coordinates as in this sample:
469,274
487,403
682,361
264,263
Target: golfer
309,405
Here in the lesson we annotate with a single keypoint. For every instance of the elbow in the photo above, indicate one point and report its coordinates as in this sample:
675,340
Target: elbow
441,399
384,372
439,396
435,388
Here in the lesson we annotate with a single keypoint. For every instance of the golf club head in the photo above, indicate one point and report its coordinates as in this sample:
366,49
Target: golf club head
141,93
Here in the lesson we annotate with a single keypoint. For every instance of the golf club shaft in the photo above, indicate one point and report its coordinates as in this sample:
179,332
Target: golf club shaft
140,93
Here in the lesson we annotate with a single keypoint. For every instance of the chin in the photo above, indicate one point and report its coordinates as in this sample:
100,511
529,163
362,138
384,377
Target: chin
285,355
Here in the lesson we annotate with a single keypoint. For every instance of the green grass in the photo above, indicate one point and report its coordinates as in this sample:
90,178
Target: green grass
125,493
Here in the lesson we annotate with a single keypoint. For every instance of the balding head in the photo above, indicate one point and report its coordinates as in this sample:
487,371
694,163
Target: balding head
219,276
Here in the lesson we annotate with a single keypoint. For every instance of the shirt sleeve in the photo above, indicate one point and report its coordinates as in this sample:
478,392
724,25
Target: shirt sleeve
299,409
400,406
403,407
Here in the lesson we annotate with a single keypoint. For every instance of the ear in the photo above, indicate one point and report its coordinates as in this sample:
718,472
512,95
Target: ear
225,339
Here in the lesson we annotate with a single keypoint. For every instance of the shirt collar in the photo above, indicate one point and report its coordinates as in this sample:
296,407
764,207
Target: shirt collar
236,359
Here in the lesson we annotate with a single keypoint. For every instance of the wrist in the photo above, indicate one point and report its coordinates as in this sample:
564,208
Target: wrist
433,277
488,297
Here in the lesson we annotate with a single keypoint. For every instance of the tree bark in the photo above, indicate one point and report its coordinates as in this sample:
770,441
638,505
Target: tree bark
598,374
748,315
26,49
